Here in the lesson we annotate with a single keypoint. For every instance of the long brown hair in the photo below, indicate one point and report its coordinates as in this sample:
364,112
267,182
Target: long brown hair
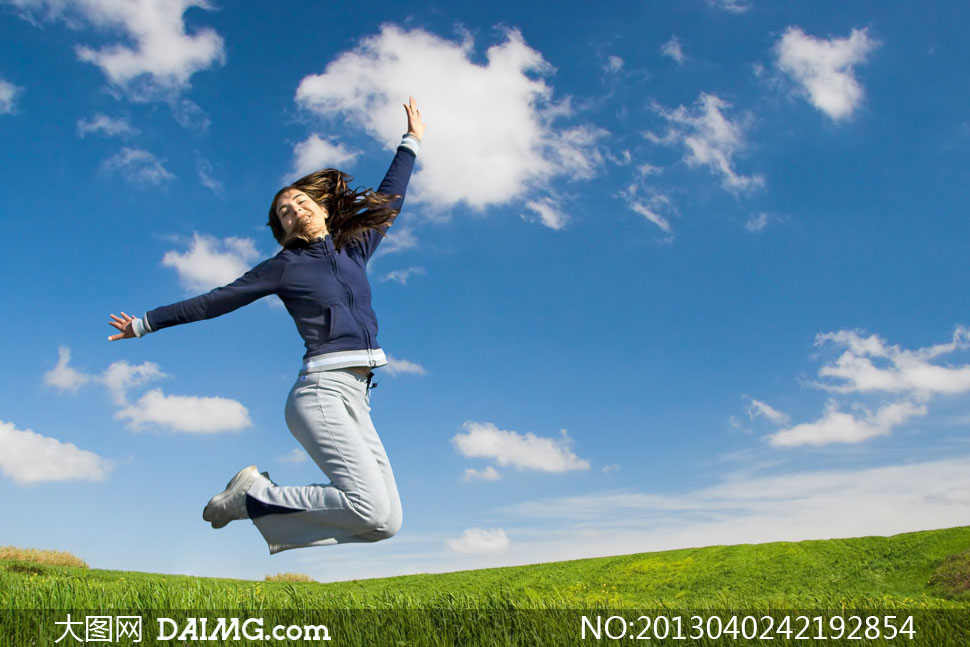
350,212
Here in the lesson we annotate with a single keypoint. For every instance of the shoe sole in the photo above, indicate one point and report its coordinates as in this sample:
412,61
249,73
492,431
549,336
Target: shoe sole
247,474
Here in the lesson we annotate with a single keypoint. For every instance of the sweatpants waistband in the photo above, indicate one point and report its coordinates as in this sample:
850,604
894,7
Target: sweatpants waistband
371,357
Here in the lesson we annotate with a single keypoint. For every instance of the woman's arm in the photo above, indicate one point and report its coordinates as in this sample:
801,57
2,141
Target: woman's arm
258,282
396,180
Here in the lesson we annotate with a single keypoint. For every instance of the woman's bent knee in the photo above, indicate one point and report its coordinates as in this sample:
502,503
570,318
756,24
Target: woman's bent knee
386,531
388,527
372,509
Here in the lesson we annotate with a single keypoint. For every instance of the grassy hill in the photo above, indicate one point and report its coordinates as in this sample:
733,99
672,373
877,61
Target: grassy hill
919,568
913,571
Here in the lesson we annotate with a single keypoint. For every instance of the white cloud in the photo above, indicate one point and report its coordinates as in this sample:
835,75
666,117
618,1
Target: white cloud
757,408
315,153
503,110
523,452
120,377
188,114
869,365
731,6
550,213
28,457
651,215
399,238
613,64
104,124
905,380
622,158
487,474
185,413
476,541
177,412
673,49
210,263
758,221
137,166
825,68
783,507
396,366
841,427
711,139
402,276
161,57
652,205
296,456
8,96
206,179
64,377
574,150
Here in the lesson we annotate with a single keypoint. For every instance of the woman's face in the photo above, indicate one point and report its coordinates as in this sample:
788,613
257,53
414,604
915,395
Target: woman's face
298,213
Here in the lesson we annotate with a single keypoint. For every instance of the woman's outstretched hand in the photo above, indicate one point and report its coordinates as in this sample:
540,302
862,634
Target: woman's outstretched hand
415,125
122,323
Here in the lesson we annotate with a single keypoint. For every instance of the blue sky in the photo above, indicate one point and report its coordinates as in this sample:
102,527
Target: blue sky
676,274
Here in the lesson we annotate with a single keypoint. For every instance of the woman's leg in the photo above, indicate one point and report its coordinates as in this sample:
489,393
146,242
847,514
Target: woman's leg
327,412
393,523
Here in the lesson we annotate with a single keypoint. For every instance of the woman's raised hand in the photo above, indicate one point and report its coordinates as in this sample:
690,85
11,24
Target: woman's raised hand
122,323
415,125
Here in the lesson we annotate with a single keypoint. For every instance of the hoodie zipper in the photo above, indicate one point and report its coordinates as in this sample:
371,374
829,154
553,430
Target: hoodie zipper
353,310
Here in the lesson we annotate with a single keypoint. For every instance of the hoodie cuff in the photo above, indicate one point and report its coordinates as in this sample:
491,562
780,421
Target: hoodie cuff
141,327
411,143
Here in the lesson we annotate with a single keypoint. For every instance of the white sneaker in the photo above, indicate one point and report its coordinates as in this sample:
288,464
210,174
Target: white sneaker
230,504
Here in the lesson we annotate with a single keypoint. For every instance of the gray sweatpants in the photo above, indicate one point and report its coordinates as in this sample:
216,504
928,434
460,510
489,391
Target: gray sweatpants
328,412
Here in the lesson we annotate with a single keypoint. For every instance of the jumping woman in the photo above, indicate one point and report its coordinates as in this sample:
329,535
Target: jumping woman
328,232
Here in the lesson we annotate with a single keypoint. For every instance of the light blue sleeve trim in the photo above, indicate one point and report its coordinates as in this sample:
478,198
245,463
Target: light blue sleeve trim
411,143
141,327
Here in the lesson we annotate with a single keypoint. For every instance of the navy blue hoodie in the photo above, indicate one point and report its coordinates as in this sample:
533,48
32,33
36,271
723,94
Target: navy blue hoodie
325,291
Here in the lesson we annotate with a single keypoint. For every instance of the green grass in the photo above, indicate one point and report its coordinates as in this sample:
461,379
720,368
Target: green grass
913,571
